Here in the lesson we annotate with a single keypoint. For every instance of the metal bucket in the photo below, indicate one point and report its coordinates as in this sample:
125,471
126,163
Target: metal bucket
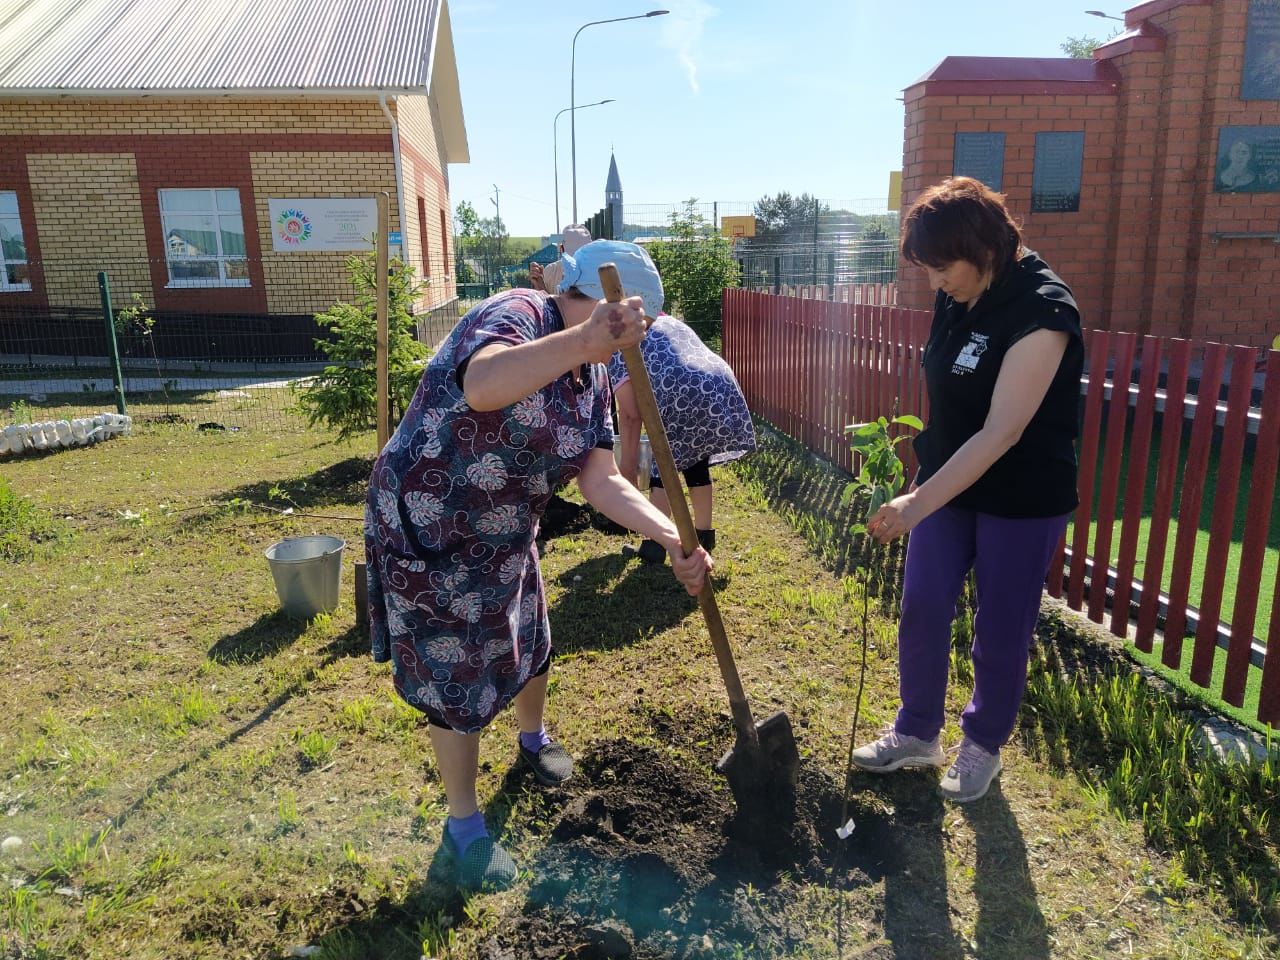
645,467
307,572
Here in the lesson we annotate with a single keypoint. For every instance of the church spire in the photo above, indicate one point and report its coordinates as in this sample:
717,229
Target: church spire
613,196
614,183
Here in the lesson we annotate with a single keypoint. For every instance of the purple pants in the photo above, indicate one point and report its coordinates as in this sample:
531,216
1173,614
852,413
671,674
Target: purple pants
1010,559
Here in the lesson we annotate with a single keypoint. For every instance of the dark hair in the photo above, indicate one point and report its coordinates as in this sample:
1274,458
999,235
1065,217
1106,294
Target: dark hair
961,219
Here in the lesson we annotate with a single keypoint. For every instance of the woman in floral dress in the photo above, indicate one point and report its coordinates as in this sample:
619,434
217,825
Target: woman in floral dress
513,406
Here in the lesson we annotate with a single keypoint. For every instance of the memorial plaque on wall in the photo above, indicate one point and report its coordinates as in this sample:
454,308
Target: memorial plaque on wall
981,156
1261,78
1055,180
1248,160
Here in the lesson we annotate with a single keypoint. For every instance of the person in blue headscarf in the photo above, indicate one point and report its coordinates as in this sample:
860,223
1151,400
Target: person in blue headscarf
513,406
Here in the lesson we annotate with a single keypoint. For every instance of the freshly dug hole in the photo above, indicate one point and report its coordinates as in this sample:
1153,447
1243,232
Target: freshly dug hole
647,860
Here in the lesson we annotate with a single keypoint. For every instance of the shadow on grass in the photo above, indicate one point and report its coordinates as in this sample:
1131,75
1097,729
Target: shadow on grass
422,921
815,497
917,912
266,636
346,644
563,518
599,611
345,483
404,929
1009,917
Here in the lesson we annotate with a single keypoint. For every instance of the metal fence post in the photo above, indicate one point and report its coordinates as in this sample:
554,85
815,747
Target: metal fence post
113,351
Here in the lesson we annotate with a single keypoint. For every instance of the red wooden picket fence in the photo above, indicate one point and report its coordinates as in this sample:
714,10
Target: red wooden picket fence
810,367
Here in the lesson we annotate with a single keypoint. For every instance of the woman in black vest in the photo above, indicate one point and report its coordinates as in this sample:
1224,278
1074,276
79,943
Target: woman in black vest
997,480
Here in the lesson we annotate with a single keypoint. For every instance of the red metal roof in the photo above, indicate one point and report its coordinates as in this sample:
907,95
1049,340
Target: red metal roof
1024,75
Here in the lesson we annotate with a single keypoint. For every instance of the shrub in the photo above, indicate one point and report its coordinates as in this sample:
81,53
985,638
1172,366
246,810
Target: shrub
343,397
696,265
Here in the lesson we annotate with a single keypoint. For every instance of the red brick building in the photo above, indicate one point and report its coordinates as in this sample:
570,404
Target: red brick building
166,141
1148,177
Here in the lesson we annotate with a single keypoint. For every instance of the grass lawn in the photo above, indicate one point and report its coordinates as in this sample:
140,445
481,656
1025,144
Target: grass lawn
1271,558
1248,712
192,775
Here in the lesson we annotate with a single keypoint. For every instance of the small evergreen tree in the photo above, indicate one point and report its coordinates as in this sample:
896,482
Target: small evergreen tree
696,264
344,396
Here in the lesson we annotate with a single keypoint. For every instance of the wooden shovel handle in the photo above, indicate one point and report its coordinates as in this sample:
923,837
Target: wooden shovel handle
634,359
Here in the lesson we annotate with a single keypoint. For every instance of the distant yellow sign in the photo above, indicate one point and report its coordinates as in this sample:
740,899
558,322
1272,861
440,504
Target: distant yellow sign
738,226
895,190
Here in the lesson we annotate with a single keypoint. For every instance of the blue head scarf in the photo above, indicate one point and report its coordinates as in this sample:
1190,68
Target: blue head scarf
639,275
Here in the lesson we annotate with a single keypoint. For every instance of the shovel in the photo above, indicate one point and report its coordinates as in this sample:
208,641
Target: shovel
764,763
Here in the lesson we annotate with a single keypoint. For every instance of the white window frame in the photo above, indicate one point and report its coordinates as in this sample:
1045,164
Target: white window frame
221,259
5,285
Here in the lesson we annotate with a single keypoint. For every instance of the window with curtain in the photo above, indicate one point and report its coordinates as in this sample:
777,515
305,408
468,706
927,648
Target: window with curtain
14,270
444,243
204,238
422,237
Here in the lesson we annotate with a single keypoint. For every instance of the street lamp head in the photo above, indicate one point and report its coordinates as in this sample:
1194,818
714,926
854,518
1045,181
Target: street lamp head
1104,16
573,106
610,100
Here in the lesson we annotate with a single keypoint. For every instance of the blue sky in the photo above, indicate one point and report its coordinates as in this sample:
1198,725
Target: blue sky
724,100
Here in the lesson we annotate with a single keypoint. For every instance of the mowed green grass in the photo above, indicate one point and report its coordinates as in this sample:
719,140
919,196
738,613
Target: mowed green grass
1266,583
193,775
1204,523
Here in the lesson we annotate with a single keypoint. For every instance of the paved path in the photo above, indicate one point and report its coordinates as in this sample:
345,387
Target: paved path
142,384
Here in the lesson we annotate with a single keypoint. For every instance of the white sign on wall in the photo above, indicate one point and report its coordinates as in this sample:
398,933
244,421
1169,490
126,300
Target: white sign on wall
322,223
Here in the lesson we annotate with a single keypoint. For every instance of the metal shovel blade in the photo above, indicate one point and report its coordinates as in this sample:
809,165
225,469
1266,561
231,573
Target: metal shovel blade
763,779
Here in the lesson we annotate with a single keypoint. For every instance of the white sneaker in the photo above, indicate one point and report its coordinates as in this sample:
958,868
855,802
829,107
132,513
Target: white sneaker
895,750
970,776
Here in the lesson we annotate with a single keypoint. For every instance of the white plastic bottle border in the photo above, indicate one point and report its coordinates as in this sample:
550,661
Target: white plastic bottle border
63,434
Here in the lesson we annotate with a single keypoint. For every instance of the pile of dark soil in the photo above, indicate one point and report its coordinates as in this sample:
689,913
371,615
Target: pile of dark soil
643,861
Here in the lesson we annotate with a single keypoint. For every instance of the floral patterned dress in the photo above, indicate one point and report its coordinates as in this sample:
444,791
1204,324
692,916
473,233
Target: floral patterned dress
699,400
456,600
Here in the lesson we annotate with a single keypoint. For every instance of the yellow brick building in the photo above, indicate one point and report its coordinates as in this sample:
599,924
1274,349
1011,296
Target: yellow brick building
216,159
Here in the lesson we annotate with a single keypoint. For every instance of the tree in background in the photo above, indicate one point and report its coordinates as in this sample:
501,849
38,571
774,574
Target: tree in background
696,264
783,215
876,260
466,230
344,395
494,232
787,236
1081,48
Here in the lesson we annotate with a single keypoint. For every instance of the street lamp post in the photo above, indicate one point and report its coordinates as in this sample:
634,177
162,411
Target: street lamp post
555,149
573,132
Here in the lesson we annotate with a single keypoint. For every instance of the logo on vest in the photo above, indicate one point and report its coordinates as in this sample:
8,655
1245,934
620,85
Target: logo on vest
967,359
